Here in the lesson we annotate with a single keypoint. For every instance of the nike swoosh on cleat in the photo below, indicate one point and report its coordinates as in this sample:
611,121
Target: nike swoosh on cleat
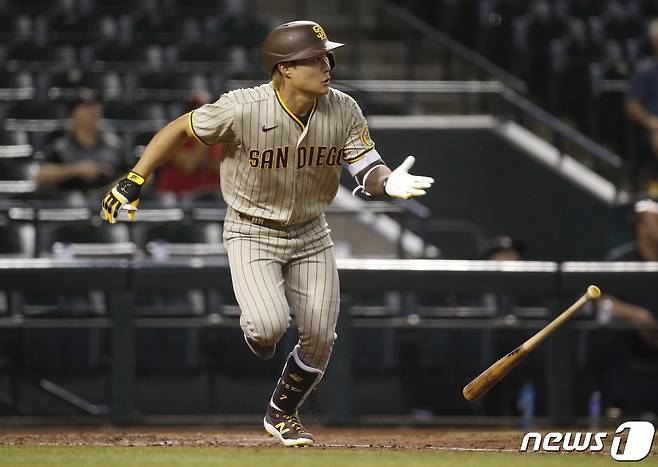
270,128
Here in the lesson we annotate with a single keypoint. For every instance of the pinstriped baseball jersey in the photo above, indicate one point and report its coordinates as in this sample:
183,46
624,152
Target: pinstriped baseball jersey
276,167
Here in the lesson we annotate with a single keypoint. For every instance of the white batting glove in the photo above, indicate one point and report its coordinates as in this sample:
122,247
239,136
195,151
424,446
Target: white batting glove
401,184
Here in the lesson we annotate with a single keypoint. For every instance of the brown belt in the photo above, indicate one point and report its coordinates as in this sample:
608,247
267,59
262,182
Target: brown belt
272,224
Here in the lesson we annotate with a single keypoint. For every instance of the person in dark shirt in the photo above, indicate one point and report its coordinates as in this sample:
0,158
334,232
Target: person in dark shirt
639,345
84,158
642,108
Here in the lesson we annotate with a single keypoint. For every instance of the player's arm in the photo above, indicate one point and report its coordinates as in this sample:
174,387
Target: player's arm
372,178
163,145
639,317
125,195
372,175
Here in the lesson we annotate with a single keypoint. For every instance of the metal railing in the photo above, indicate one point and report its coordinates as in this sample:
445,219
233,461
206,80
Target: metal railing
121,279
456,49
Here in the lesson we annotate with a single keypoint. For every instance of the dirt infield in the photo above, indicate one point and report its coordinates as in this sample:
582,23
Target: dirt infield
380,438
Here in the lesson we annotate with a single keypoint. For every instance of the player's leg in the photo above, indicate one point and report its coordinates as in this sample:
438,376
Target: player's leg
258,286
312,286
313,289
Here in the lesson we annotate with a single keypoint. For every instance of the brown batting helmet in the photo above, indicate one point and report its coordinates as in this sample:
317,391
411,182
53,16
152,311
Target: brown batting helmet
296,41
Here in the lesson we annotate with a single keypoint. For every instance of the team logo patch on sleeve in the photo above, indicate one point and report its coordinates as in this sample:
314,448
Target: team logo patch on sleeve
365,137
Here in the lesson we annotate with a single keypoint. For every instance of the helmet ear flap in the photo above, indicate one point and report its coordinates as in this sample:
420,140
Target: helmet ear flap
332,60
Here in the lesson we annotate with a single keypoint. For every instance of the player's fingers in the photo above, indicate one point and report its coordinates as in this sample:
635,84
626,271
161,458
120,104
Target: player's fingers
106,202
421,179
407,164
131,208
415,192
115,209
417,184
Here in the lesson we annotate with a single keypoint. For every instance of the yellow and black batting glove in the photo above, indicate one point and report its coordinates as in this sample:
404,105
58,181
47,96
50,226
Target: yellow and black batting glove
125,195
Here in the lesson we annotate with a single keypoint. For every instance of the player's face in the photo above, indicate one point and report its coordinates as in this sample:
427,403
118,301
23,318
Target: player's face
311,75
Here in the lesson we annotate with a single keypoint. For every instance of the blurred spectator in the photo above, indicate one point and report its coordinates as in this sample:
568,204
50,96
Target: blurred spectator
586,8
637,347
505,248
543,27
84,158
575,68
195,167
642,108
499,36
502,248
620,22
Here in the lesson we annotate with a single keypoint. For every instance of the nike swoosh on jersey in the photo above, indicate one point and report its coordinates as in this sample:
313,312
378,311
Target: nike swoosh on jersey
269,128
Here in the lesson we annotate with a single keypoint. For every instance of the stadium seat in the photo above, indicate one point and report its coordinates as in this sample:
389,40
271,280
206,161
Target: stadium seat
14,145
15,28
126,58
35,7
77,30
29,56
16,86
202,57
17,176
35,110
170,87
141,117
68,84
135,8
195,7
35,118
85,239
17,240
164,30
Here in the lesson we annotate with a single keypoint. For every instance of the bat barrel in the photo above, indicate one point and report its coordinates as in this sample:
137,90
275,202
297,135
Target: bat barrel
492,375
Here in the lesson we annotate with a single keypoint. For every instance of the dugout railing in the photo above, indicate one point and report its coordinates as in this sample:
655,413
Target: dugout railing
120,279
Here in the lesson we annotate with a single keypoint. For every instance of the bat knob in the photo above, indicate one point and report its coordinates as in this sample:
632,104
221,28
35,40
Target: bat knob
593,291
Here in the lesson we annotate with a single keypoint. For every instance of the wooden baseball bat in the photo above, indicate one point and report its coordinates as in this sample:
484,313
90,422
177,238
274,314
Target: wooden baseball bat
490,377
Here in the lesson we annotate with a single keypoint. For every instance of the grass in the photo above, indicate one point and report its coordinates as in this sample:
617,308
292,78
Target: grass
114,456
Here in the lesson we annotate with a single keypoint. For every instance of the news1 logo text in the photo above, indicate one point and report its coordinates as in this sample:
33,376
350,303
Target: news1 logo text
639,440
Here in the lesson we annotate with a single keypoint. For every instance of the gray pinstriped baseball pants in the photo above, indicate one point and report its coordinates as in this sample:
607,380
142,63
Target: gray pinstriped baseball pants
274,270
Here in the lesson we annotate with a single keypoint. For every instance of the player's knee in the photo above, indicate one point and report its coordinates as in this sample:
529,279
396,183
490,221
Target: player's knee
272,333
324,340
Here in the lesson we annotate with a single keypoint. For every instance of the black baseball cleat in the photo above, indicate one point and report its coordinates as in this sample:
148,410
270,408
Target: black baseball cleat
260,351
287,428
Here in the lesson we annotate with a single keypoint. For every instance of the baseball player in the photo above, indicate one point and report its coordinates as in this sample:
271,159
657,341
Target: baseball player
285,143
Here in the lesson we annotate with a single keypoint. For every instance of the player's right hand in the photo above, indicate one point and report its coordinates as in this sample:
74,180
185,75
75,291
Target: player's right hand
401,184
125,195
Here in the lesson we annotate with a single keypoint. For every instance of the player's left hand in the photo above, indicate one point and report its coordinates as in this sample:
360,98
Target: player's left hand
401,184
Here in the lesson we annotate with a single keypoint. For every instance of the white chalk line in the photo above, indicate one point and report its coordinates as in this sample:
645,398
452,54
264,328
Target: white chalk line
265,443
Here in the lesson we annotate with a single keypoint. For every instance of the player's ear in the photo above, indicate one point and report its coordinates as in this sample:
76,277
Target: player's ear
284,69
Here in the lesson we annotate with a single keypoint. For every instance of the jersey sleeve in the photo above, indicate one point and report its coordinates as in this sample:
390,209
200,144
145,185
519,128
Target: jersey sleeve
215,122
359,150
